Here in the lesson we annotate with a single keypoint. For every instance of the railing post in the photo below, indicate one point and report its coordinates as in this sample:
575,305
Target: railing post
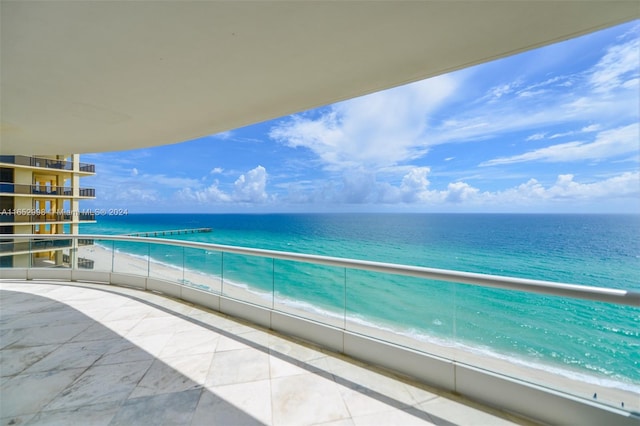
273,282
221,272
113,256
344,290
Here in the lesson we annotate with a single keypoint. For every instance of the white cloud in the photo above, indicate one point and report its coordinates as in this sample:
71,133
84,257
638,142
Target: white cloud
362,188
607,144
134,172
566,190
536,137
376,130
248,188
251,187
458,192
167,181
495,93
210,194
223,135
617,67
605,93
216,171
591,128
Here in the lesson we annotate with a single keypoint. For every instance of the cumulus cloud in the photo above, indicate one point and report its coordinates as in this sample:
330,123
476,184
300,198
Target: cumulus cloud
458,192
250,187
378,130
607,144
362,187
210,194
566,189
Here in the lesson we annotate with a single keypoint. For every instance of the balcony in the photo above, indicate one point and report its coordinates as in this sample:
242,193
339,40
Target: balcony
79,354
37,190
347,350
46,163
40,244
48,217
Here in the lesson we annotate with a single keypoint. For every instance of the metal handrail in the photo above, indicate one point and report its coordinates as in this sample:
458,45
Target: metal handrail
48,163
54,190
599,294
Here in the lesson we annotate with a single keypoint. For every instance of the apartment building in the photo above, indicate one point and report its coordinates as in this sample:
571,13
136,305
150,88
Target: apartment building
41,195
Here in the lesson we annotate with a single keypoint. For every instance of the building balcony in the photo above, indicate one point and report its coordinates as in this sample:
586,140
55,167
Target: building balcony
44,218
79,354
15,189
46,163
13,246
150,341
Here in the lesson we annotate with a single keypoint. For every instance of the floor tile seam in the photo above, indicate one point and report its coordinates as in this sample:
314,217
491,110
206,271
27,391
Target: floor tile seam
429,421
70,339
381,395
161,392
212,387
26,348
115,331
134,297
49,326
185,352
133,388
135,399
271,399
75,408
48,402
167,361
64,368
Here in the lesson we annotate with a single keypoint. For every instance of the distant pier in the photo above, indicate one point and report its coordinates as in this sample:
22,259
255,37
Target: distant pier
170,232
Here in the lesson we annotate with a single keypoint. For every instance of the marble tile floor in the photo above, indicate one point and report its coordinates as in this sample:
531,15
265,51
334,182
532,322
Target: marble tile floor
89,354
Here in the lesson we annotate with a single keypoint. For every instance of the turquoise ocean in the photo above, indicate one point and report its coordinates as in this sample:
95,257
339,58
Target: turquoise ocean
596,342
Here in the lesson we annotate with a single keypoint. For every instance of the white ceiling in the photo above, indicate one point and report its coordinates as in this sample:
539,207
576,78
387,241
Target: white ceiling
95,76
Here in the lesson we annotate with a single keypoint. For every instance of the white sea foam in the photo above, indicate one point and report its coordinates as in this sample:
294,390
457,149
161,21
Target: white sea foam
380,329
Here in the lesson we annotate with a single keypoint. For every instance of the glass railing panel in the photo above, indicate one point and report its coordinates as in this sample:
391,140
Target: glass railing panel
248,278
86,167
50,253
131,258
310,291
11,246
586,349
407,311
203,269
95,255
166,262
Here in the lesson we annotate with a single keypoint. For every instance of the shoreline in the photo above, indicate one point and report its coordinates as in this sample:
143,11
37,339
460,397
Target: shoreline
553,377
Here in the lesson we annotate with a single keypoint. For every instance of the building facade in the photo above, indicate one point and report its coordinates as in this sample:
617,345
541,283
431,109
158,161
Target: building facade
41,195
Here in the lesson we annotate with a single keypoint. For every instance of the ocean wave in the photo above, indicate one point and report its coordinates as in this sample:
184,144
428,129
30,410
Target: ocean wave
621,383
383,330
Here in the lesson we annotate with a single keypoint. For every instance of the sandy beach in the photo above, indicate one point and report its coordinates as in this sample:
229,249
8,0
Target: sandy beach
107,260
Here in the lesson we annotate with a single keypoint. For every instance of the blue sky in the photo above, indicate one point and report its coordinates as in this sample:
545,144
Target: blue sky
555,129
